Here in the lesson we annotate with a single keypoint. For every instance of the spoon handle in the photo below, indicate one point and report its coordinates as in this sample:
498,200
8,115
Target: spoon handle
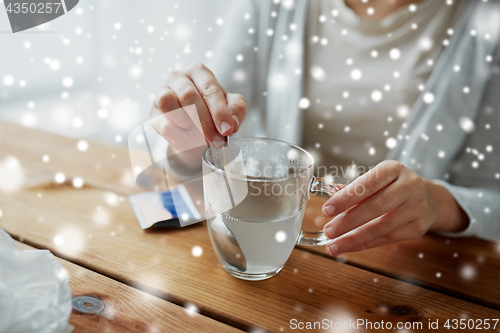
225,157
225,154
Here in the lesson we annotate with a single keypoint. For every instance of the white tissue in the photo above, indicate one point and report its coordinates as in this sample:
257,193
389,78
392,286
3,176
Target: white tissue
34,291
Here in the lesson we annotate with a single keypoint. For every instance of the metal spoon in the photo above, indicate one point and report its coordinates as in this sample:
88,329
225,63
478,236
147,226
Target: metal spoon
227,245
221,235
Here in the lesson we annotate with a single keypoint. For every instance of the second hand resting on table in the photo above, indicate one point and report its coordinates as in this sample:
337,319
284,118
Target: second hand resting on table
389,203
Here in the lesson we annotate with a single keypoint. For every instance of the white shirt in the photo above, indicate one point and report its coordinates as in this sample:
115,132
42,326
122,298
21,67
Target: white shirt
363,75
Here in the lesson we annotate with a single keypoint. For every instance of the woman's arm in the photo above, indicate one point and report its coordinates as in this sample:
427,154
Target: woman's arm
216,91
449,216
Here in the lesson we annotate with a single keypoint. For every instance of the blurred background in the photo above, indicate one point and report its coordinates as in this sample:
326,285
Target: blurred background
93,72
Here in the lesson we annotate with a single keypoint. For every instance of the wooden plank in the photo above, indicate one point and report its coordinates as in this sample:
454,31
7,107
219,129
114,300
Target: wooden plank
128,309
108,240
100,164
462,267
476,258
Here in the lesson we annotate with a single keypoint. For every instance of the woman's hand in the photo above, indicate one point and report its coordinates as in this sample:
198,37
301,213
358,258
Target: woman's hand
388,204
219,113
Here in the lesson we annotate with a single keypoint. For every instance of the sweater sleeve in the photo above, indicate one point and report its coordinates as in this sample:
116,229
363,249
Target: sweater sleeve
482,206
474,176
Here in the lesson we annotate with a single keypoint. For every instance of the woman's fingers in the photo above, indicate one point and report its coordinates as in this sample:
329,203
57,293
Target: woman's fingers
169,119
363,187
378,228
214,97
168,128
218,113
378,204
165,101
187,94
167,105
393,206
237,107
411,230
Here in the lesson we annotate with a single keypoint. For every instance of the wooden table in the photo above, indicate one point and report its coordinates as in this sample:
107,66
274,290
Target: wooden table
147,279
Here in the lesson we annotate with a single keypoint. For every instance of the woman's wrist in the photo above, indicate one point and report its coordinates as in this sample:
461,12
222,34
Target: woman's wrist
444,211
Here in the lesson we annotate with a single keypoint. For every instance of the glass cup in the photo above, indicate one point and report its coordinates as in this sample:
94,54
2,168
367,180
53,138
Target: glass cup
255,204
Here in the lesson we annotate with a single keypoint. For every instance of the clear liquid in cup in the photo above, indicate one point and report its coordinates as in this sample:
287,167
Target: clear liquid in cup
266,245
261,200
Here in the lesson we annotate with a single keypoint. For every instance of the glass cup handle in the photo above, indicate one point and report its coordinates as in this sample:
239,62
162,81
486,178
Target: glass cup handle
318,238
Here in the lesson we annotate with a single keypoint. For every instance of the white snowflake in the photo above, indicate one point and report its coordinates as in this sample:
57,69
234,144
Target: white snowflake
394,54
391,143
467,124
8,80
403,111
376,96
280,236
425,43
356,74
60,178
428,98
304,103
191,309
67,82
77,122
196,251
82,145
468,272
77,182
318,73
55,64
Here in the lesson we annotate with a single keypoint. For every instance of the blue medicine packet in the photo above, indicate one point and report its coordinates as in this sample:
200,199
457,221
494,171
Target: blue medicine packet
169,208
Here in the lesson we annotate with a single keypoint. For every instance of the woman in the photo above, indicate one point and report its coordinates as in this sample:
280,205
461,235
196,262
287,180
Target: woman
411,86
